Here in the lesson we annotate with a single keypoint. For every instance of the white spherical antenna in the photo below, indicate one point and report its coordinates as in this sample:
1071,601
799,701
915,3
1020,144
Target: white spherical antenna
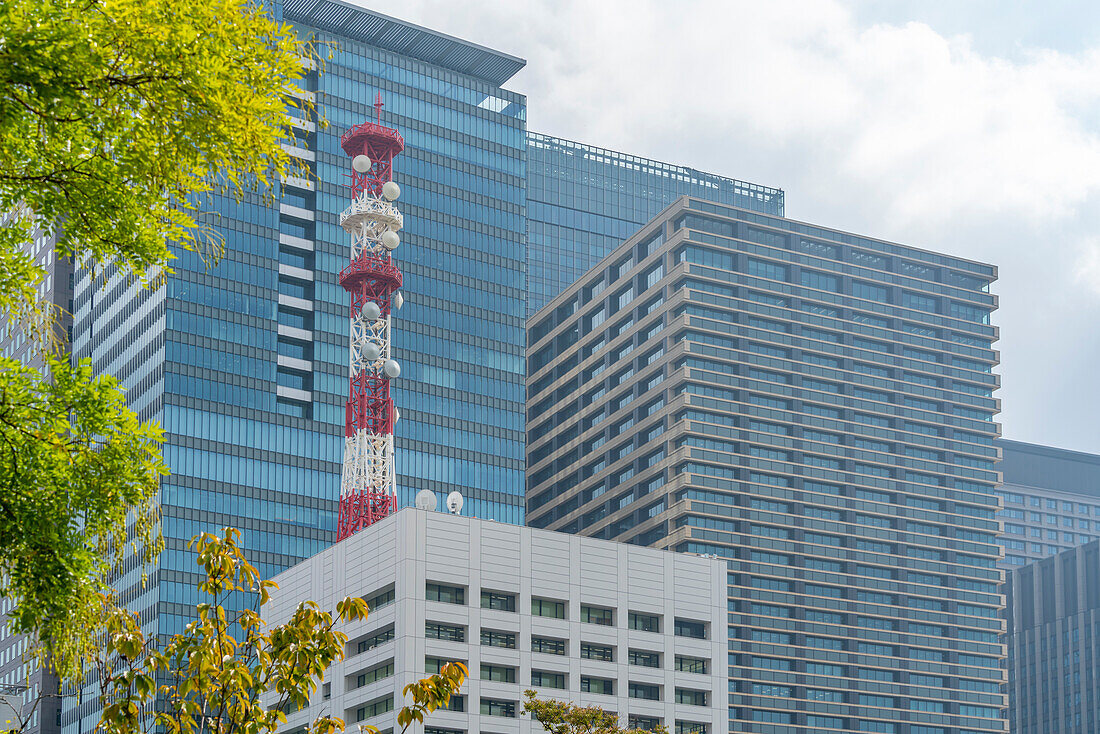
454,502
425,500
396,415
391,190
371,351
390,240
398,301
360,163
391,368
372,311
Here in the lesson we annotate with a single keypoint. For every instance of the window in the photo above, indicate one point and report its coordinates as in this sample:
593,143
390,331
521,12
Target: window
597,615
548,608
603,686
377,673
493,638
374,708
457,703
493,707
869,291
644,690
918,302
644,658
820,281
499,673
548,645
374,640
446,594
546,679
498,600
380,599
590,651
691,697
435,665
448,632
688,664
688,628
644,622
767,269
691,727
643,723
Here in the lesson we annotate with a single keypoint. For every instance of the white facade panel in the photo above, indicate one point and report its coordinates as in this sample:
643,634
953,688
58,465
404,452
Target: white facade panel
514,565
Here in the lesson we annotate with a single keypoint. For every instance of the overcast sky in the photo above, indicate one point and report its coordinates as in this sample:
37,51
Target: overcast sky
971,127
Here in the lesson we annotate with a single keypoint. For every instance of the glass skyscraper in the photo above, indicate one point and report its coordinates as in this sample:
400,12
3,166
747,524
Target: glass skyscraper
582,201
245,364
815,407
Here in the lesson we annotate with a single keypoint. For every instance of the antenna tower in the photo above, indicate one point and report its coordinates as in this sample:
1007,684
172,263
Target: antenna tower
368,488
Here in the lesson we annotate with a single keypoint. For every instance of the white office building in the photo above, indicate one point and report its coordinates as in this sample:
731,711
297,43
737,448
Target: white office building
638,631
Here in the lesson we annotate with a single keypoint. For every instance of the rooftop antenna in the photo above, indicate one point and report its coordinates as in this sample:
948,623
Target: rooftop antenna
454,502
368,487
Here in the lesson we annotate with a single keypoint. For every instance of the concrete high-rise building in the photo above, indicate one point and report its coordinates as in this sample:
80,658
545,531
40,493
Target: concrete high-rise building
245,364
582,201
1054,644
637,631
815,407
1051,500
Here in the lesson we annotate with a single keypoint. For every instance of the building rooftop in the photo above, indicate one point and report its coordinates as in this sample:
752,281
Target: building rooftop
1031,465
604,156
407,39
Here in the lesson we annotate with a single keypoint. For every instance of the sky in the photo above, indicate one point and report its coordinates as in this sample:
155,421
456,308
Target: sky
969,127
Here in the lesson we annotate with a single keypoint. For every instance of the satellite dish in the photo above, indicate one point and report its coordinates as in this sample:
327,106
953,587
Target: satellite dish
390,240
372,311
391,368
360,163
398,301
371,351
454,502
391,190
425,500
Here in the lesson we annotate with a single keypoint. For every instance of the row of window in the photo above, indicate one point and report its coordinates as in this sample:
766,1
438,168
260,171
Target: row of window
1033,501
556,609
556,646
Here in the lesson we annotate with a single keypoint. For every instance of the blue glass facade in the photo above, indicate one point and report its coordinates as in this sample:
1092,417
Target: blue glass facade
815,407
245,363
582,201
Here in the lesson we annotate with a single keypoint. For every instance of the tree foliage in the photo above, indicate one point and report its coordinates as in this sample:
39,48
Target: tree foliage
119,121
116,116
77,469
212,678
562,717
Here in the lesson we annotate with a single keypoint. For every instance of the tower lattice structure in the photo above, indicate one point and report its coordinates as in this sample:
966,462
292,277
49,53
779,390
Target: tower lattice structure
368,488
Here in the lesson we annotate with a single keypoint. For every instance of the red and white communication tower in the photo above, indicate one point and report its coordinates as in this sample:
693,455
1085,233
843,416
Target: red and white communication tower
368,489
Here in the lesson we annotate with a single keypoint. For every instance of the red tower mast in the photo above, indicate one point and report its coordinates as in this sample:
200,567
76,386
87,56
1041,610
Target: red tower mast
368,490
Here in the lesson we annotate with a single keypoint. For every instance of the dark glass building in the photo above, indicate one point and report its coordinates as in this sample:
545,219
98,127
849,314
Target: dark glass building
582,201
245,364
815,407
1051,500
1054,644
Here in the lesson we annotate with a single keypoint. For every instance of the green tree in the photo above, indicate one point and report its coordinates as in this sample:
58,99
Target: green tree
210,678
120,120
562,717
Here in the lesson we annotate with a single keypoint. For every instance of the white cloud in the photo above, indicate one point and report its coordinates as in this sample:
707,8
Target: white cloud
893,130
